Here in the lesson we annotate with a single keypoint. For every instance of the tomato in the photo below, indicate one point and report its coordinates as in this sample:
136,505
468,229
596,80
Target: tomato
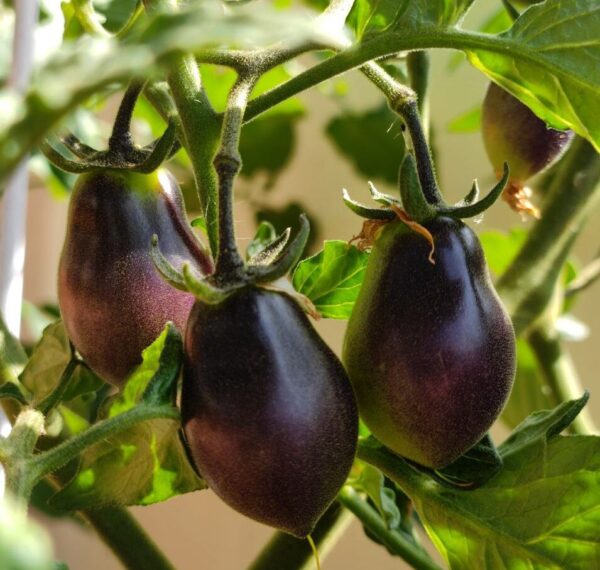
513,133
113,301
429,347
268,412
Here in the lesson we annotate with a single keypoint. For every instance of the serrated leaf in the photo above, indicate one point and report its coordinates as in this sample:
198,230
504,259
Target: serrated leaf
332,278
541,511
372,141
147,463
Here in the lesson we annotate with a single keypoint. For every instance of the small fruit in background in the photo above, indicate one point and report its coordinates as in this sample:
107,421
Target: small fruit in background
513,133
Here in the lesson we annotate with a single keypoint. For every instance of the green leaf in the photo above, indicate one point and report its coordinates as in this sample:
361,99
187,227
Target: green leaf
82,67
12,356
50,358
467,122
541,511
439,13
372,482
554,68
500,248
371,140
477,466
146,463
332,278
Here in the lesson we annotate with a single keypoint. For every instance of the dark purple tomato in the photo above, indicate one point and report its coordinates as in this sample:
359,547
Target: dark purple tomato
429,348
268,412
513,133
113,301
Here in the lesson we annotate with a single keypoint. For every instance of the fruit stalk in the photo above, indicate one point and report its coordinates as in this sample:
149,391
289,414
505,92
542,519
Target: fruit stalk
416,557
228,163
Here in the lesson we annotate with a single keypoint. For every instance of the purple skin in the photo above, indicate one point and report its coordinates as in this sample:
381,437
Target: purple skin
429,348
113,301
267,408
513,133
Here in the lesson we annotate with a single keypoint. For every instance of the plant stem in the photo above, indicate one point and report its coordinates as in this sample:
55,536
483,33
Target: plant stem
127,539
560,374
418,71
285,552
414,555
404,101
49,461
228,163
529,282
121,133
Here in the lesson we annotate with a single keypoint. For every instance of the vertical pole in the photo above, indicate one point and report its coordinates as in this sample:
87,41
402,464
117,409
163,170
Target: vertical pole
13,208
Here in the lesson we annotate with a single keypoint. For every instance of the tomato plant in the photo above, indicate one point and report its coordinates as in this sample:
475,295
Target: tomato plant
172,362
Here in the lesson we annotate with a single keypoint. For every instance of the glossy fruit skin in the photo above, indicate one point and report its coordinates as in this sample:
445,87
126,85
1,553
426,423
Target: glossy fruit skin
268,411
113,301
513,133
429,348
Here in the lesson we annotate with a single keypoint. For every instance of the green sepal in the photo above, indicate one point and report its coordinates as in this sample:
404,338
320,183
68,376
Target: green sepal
64,163
160,151
471,197
366,212
472,210
381,197
286,260
272,251
202,289
413,200
167,271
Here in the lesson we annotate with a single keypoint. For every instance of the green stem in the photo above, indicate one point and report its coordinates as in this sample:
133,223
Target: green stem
127,539
121,133
49,461
88,18
55,397
393,540
228,163
561,375
418,71
285,552
201,128
528,284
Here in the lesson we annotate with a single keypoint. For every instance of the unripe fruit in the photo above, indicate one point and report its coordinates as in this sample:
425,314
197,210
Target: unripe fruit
268,412
513,133
429,348
113,301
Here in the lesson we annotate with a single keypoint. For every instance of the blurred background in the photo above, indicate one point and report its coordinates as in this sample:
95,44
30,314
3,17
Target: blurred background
197,530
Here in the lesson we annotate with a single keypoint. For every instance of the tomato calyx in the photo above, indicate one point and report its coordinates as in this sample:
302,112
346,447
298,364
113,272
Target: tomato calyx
122,153
263,269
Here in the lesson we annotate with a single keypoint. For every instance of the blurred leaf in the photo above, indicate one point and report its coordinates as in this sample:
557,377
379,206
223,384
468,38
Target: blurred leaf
12,356
36,319
500,248
24,545
530,391
11,391
467,122
116,13
332,278
288,217
146,463
542,510
371,140
264,235
83,67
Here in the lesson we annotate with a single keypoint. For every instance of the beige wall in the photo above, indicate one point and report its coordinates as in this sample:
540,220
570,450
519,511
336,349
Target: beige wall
198,531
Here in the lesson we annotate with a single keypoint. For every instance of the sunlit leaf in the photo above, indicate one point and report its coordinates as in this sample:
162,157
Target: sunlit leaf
332,278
